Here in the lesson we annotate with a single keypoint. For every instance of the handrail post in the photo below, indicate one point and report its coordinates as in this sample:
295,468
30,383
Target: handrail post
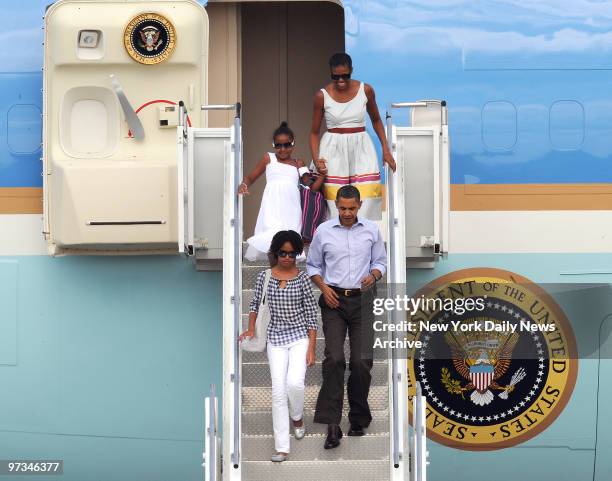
416,442
393,225
420,453
232,285
210,453
237,241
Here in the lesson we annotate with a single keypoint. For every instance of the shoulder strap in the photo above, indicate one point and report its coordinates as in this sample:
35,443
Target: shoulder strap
362,89
272,156
326,97
264,291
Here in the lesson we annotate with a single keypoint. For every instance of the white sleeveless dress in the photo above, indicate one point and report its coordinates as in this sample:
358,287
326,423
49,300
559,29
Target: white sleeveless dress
280,208
351,158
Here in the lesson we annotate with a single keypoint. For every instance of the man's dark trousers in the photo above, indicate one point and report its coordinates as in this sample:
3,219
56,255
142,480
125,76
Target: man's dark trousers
355,315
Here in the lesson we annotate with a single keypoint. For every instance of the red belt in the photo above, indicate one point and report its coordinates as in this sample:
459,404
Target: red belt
349,130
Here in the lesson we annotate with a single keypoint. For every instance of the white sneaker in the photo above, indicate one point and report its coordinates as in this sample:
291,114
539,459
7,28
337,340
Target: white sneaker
278,458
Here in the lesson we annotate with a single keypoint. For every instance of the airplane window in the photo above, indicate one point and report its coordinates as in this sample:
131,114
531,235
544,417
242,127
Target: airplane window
499,125
566,124
24,129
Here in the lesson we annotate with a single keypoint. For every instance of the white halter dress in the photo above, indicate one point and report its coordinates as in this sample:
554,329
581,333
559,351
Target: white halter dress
351,158
280,208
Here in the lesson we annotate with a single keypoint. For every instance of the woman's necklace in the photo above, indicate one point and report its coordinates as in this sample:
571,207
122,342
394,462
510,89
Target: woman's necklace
283,275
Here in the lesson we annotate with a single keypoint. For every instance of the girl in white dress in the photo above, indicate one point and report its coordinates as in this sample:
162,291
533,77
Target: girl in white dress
346,149
280,205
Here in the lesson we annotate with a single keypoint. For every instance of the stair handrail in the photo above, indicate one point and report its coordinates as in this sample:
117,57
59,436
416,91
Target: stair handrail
237,252
419,457
397,279
232,283
397,274
211,453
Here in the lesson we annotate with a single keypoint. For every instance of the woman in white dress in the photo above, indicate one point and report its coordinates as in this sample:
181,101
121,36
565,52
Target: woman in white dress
346,149
280,205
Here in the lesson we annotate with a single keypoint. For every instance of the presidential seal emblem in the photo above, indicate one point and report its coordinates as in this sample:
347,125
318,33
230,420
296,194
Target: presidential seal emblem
149,38
497,375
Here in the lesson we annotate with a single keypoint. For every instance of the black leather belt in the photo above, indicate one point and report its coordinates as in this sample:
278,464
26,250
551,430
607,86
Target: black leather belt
347,292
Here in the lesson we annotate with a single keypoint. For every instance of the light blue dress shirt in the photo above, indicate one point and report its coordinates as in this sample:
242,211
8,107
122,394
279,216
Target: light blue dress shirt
343,256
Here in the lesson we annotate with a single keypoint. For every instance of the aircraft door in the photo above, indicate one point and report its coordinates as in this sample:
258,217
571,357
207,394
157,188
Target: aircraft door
113,78
422,153
185,184
204,154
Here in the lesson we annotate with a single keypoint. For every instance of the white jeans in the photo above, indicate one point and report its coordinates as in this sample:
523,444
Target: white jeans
287,370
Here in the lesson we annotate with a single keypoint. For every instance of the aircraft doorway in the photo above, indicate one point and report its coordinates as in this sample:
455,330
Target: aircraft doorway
285,48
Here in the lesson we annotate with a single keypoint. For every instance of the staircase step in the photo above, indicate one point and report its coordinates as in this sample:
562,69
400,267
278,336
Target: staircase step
247,296
363,458
250,357
259,398
250,271
259,423
371,447
258,374
316,471
245,320
264,264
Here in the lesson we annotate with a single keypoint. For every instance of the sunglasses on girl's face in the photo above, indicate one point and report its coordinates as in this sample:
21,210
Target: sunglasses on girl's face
291,254
343,76
286,145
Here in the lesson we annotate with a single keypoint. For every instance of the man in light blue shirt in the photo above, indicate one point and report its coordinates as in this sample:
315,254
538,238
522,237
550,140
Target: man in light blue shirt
346,258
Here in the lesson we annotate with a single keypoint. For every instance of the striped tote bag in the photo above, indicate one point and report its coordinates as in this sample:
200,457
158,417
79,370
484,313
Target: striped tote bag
314,210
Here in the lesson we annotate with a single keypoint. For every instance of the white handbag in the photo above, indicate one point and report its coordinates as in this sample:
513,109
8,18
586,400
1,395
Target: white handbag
258,341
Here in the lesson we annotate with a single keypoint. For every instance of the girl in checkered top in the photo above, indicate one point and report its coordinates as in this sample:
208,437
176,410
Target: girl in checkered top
291,337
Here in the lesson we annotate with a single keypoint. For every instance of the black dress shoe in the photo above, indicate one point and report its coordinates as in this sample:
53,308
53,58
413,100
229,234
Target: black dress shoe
356,430
334,435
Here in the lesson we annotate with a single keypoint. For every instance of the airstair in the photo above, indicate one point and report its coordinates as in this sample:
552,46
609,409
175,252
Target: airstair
356,458
394,445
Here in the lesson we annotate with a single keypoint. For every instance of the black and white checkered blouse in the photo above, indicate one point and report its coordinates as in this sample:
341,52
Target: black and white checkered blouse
293,309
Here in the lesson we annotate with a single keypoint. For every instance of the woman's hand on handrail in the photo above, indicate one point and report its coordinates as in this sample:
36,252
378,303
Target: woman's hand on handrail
260,168
389,160
246,334
378,126
243,188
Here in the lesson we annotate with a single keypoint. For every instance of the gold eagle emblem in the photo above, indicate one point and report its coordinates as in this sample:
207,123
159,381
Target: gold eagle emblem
149,38
481,358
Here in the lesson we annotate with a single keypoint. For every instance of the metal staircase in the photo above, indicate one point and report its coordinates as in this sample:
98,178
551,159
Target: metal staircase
391,449
357,458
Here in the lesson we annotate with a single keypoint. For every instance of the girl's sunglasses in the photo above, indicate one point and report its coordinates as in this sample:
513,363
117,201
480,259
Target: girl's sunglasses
286,145
343,76
291,254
